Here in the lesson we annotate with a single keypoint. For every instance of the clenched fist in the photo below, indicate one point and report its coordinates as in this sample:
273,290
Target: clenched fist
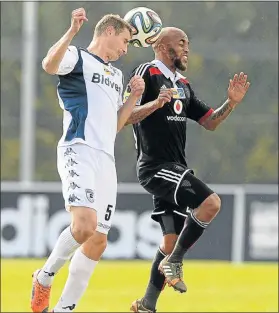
78,17
165,96
137,86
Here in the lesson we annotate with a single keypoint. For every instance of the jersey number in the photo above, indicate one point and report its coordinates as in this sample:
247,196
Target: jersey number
108,212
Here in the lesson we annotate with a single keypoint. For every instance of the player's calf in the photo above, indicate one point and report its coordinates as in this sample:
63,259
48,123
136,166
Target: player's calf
194,226
168,243
80,270
83,225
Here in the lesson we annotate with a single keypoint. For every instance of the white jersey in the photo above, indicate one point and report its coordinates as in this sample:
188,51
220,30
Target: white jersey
90,94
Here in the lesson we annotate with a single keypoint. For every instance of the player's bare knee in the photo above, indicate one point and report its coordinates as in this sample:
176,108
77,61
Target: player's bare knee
84,222
82,231
212,205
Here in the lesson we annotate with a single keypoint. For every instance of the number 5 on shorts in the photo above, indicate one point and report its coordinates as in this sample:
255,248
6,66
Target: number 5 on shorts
108,212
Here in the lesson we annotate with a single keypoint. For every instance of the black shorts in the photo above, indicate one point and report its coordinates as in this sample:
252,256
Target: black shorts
175,189
170,217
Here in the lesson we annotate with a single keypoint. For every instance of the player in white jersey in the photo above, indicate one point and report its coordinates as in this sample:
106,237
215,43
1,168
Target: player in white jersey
90,94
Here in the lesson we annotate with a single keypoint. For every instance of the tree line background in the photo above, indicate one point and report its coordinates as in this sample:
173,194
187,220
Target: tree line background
226,37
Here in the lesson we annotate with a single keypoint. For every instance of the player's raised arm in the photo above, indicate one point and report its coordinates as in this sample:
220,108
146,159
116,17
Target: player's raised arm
137,86
237,89
56,53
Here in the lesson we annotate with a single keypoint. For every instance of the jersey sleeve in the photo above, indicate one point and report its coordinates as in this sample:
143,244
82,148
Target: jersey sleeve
69,61
141,70
198,110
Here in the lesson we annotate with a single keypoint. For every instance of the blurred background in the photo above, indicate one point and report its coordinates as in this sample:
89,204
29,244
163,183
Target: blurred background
239,160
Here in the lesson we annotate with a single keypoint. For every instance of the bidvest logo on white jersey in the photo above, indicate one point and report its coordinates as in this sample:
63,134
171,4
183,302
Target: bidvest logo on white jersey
101,79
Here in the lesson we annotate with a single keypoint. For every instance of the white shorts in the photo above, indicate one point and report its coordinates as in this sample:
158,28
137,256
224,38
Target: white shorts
89,180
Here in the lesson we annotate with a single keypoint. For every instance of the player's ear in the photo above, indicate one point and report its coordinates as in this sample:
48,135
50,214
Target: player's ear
110,30
162,47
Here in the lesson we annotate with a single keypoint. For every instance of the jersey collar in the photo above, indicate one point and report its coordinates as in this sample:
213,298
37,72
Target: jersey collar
166,71
96,57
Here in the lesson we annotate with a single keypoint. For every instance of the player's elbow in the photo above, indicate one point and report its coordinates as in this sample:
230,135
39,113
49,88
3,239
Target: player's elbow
208,125
48,68
212,127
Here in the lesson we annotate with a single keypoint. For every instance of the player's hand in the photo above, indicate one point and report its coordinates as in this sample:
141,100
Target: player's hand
137,86
238,87
78,17
165,96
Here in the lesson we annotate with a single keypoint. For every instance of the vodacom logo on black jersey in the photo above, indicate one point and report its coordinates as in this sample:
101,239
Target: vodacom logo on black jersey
177,106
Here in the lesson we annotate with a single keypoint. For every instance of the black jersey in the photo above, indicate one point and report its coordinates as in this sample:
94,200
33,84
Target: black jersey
161,137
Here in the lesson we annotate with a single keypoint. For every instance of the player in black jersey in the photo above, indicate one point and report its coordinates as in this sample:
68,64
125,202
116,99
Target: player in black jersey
183,205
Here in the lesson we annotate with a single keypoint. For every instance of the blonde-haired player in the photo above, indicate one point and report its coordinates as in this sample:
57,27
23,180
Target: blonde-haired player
90,95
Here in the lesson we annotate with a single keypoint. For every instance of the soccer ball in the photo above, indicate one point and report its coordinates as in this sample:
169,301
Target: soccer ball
146,26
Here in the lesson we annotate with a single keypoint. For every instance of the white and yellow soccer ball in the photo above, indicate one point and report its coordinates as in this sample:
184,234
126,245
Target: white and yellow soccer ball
146,24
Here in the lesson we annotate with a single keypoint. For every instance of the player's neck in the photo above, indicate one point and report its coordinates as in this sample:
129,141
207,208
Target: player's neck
168,64
97,47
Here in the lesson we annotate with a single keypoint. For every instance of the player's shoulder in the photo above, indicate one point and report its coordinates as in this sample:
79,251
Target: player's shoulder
143,69
73,49
72,53
184,80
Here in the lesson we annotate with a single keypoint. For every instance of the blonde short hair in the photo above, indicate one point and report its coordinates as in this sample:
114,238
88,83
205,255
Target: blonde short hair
112,20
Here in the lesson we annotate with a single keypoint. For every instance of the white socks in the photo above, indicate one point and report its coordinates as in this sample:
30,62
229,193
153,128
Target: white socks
64,247
80,271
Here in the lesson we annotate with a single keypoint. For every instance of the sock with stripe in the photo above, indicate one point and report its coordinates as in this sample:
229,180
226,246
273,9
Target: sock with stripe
191,232
156,283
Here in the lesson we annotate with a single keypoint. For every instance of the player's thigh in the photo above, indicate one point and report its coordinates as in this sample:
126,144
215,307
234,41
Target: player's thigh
170,237
107,191
191,192
78,171
84,220
170,222
168,227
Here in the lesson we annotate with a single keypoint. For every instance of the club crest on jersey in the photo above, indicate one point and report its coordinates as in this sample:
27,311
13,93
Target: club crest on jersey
178,93
108,71
178,106
90,195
